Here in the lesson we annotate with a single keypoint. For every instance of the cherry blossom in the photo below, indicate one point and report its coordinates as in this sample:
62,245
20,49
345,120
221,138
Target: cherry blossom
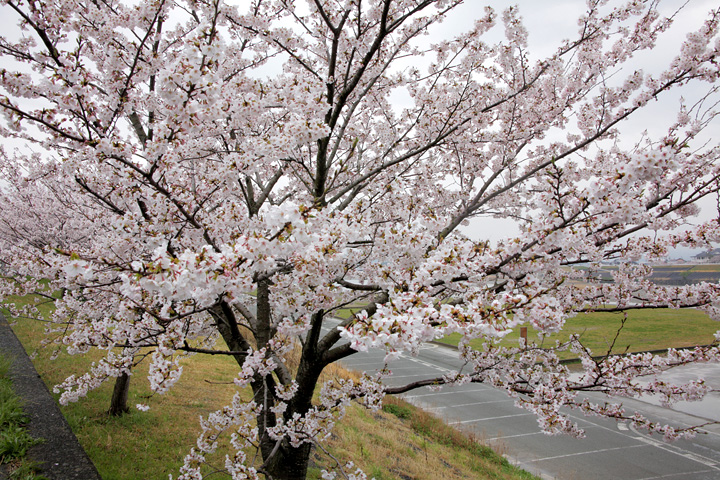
202,178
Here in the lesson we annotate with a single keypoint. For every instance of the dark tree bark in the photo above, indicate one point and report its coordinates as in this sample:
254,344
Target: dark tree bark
281,461
118,403
289,463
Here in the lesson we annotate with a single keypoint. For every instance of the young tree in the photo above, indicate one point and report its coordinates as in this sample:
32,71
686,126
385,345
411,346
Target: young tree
218,179
38,215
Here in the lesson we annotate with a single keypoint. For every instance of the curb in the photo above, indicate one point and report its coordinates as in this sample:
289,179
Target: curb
60,455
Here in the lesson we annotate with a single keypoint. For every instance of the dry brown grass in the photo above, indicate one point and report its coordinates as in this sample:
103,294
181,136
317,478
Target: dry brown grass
403,442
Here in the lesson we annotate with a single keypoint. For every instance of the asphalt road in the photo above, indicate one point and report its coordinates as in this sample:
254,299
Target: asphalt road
610,450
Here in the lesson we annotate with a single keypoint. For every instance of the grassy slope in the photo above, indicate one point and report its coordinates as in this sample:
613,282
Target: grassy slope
151,445
643,330
403,442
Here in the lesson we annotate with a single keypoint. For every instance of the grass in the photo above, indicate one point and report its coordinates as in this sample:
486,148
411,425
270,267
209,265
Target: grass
145,445
705,267
643,330
152,444
403,442
14,438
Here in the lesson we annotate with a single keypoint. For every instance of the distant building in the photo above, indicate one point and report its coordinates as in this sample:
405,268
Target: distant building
709,256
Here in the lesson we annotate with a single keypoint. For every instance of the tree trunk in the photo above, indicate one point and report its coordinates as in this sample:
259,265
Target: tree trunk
280,462
289,463
118,403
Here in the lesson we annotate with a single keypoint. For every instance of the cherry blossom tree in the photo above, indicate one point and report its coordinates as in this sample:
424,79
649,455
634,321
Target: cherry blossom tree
212,179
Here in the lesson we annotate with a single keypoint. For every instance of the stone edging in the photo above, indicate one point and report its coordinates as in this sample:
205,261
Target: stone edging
61,456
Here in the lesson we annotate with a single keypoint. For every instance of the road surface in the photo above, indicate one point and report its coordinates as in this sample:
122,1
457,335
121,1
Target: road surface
610,450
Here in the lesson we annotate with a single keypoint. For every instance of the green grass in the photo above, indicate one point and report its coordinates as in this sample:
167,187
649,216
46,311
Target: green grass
145,445
14,438
706,267
644,330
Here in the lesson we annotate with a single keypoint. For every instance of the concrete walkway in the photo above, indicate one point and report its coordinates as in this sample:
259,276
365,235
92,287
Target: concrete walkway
60,455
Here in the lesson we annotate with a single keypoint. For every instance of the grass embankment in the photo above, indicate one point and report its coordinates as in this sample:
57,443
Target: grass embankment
14,438
704,267
643,330
415,445
400,443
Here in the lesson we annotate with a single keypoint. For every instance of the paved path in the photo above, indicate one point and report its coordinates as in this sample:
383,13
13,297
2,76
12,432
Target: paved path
610,450
60,455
